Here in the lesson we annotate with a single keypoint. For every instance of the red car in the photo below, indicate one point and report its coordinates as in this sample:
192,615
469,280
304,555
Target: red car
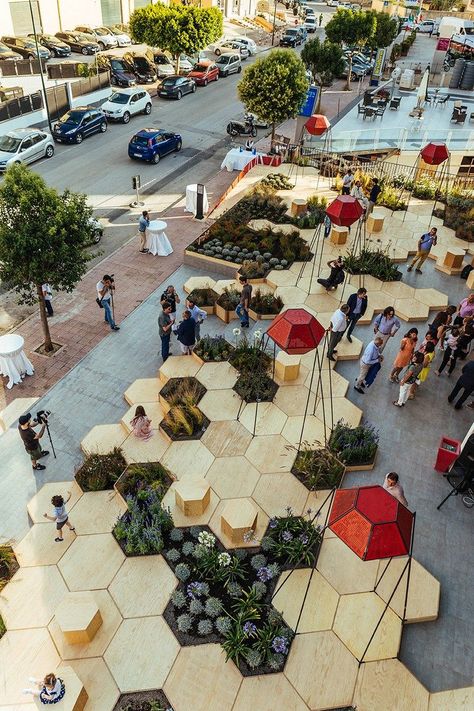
203,73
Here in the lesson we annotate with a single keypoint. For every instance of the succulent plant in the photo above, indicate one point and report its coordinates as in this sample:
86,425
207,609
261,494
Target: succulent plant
178,599
229,259
182,572
176,535
273,261
173,555
253,658
223,624
258,561
276,661
267,256
265,266
204,627
196,607
213,607
188,548
278,267
225,252
200,251
259,588
283,262
184,623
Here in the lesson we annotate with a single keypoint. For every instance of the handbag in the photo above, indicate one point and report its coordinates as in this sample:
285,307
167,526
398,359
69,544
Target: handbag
99,303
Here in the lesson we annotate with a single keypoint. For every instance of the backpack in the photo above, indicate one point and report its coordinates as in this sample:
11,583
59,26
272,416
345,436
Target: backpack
466,271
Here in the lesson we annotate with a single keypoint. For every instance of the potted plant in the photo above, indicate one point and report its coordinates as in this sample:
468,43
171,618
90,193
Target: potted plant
184,420
356,447
264,306
154,700
292,540
254,270
204,298
212,349
226,304
317,467
100,471
178,389
151,475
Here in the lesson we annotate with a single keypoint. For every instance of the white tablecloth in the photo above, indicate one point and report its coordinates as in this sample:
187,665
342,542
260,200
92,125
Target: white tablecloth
13,362
157,242
237,159
191,199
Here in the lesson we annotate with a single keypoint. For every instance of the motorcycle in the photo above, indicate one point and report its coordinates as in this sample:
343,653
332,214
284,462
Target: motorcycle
242,128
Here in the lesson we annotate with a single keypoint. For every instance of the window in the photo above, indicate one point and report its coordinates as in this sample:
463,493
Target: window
111,12
37,138
21,16
27,143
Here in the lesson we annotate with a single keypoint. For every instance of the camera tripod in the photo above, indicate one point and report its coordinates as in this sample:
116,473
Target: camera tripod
463,486
43,420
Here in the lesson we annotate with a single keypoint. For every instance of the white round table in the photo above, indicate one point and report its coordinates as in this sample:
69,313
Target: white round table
157,241
191,199
14,364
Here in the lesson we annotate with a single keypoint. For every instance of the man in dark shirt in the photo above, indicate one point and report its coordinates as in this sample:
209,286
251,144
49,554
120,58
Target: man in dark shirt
242,309
164,326
466,382
374,194
172,298
31,439
336,276
357,307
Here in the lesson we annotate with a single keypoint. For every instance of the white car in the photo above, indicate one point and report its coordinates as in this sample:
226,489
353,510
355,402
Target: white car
124,103
310,23
101,35
231,45
247,42
122,38
332,3
24,145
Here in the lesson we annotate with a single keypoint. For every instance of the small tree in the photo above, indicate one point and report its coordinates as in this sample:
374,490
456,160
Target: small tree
42,238
274,88
177,29
325,61
385,31
353,29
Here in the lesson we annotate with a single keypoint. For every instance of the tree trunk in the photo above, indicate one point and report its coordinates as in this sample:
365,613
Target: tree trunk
272,139
349,72
320,96
48,344
176,63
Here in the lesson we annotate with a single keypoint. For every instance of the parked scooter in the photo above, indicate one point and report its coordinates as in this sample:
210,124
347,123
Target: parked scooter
242,128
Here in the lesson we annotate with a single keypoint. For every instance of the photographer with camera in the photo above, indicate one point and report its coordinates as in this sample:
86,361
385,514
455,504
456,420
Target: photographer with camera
31,439
105,289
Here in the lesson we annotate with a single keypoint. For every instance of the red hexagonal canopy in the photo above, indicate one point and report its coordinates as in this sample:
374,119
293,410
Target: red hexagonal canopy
296,331
372,522
316,125
435,153
344,210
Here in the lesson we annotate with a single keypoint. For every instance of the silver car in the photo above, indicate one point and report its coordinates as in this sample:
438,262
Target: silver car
122,38
102,36
24,145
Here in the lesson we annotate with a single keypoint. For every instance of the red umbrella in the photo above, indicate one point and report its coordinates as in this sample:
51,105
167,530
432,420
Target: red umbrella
316,125
296,331
372,522
344,210
435,153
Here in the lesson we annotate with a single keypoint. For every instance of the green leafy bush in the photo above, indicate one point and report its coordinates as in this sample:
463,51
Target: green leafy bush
141,476
354,445
265,303
293,540
316,467
277,181
213,348
229,299
143,527
100,471
377,263
203,297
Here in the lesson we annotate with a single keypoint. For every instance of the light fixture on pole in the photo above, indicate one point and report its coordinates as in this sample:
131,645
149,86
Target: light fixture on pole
45,98
274,19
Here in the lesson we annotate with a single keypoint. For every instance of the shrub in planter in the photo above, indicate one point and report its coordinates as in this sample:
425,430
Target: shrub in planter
252,269
317,467
141,530
136,477
377,263
203,297
267,303
229,299
390,198
213,349
184,419
143,701
292,540
255,386
277,181
466,231
354,446
100,471
249,356
8,567
181,390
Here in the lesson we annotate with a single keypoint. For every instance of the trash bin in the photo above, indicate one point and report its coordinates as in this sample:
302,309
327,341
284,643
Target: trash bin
448,451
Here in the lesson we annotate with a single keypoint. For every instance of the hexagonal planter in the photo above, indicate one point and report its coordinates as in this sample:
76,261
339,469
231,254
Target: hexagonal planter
211,346
184,420
142,701
318,469
205,299
354,440
8,567
251,390
264,307
224,314
100,471
173,385
139,475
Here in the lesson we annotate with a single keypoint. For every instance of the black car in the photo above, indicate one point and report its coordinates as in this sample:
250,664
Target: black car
291,38
7,54
144,70
175,86
79,42
121,72
26,47
55,46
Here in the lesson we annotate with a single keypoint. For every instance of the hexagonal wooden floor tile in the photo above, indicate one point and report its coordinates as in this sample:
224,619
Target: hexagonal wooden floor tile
178,367
24,653
322,302
333,685
318,503
226,439
136,450
91,562
349,351
313,430
217,376
143,390
97,512
379,300
232,477
169,502
320,604
222,284
344,570
151,651
31,597
331,383
454,700
188,458
220,405
411,310
423,590
153,410
274,492
215,525
201,680
272,453
397,290
293,400
101,439
264,419
271,692
283,278
291,295
111,619
342,409
142,586
38,547
433,298
356,618
41,502
387,685
198,282
369,282
99,683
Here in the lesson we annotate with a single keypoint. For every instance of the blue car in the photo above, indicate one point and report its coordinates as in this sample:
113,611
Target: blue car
79,123
151,144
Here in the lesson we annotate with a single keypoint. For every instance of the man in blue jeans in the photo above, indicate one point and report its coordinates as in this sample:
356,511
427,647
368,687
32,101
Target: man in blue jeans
164,326
104,292
242,309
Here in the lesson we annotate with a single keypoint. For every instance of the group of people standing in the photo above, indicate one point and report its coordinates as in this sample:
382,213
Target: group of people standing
353,187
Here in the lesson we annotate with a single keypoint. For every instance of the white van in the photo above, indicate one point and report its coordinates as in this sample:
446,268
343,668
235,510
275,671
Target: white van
455,25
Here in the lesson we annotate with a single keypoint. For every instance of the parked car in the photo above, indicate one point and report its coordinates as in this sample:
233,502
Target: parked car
186,64
232,46
360,60
26,47
332,3
164,65
123,104
310,23
176,86
345,5
6,54
304,32
122,38
426,26
247,42
292,37
144,69
204,72
79,123
79,42
55,45
121,72
105,39
357,72
151,144
308,11
98,230
229,64
24,145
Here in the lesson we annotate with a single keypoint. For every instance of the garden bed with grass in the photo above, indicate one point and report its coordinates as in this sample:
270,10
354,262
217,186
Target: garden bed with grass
355,447
137,477
254,383
317,468
143,701
212,349
376,263
204,298
183,420
100,472
264,306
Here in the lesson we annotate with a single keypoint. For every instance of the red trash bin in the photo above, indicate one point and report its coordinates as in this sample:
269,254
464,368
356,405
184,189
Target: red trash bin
448,451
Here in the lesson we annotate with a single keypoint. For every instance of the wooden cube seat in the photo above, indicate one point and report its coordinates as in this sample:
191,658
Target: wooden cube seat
192,496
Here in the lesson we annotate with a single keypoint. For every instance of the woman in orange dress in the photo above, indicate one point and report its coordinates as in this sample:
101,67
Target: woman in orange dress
404,355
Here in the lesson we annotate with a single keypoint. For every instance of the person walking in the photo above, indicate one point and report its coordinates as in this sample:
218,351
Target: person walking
198,315
170,295
321,19
48,297
426,241
336,276
336,328
427,360
242,309
404,355
164,327
448,352
60,515
143,224
392,485
347,181
141,424
375,191
410,375
357,304
370,356
186,333
464,382
386,325
104,292
31,439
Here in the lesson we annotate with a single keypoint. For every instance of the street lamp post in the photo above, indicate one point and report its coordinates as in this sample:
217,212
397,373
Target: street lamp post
274,20
45,98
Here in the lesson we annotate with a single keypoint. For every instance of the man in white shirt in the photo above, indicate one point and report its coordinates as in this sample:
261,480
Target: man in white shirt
393,486
358,193
336,328
48,296
347,181
104,292
198,315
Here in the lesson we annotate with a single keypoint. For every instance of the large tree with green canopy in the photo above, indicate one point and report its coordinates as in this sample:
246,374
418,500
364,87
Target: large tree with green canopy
325,61
354,29
385,31
42,238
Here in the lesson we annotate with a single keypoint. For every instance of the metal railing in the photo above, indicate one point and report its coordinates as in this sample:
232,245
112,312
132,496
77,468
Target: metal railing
23,67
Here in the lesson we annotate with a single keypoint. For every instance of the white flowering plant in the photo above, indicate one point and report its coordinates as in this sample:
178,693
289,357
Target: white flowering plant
207,539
